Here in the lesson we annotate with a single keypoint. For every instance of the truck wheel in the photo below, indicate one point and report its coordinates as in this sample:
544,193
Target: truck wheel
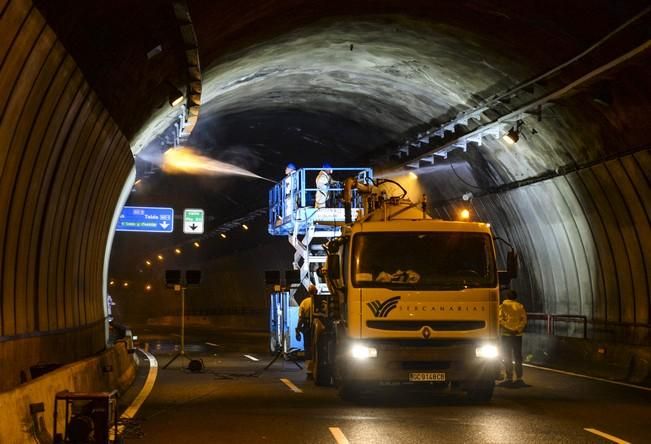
481,392
322,367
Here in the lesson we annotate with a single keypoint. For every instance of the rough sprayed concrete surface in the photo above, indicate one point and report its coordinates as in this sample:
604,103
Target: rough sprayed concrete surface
88,375
582,234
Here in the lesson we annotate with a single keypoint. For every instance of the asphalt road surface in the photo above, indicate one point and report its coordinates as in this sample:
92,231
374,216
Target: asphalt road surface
234,401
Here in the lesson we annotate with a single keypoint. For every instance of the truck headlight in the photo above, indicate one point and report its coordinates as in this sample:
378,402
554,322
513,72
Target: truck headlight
487,351
362,352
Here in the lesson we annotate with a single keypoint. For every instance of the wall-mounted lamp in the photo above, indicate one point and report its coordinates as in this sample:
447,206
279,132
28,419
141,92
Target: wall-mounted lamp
223,236
245,227
196,244
514,133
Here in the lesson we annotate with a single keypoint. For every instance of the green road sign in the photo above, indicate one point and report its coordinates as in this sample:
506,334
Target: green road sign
193,219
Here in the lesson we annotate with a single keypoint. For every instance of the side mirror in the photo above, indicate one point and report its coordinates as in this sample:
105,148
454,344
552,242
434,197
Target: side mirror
504,278
334,267
512,264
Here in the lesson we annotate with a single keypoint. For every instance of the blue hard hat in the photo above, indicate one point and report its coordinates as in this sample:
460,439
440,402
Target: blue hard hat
326,166
291,166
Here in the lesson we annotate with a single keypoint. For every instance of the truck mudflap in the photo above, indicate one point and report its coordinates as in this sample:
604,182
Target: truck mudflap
416,362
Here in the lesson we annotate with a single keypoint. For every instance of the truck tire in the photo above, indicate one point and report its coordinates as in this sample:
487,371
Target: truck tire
481,392
322,366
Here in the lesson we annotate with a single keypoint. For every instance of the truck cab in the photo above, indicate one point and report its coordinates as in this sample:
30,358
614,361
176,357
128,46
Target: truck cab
417,304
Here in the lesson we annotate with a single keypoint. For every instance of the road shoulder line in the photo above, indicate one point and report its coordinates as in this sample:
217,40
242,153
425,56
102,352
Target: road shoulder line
606,435
593,378
131,411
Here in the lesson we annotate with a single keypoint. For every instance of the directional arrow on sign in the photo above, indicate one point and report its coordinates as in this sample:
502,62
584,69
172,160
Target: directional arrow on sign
193,221
164,225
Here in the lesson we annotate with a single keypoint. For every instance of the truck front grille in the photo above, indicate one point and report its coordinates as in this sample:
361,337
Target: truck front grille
425,365
434,325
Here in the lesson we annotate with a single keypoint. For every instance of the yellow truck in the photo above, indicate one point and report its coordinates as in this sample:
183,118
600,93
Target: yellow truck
413,300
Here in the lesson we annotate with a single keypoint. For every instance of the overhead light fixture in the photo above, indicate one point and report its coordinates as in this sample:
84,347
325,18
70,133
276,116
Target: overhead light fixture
148,287
125,285
174,96
196,244
160,257
112,283
148,263
245,227
177,250
222,235
514,133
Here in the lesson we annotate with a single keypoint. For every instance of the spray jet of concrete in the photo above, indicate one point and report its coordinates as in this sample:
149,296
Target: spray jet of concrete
185,160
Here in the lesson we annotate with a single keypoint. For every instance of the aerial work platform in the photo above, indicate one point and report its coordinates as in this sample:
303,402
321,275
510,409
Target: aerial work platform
292,213
292,201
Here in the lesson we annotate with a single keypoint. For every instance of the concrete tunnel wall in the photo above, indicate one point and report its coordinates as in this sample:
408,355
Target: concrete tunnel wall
586,251
63,164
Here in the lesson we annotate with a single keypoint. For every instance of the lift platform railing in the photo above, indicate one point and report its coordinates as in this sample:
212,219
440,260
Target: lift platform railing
293,193
552,319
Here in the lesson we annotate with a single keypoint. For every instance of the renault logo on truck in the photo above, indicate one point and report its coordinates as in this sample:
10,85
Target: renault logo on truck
382,309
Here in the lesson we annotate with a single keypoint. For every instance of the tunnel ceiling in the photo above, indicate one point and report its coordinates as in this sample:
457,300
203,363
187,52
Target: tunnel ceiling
341,81
410,63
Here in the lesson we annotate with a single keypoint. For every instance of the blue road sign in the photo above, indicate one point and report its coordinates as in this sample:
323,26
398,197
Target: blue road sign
146,219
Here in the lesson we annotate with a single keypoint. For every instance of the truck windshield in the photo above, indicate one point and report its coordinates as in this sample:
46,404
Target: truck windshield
423,261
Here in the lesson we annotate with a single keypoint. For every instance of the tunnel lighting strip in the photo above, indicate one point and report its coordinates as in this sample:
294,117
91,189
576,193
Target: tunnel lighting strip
496,127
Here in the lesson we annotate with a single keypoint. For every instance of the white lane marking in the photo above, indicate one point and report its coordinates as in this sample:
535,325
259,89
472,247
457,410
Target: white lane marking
214,345
252,358
291,385
131,411
338,435
593,378
607,436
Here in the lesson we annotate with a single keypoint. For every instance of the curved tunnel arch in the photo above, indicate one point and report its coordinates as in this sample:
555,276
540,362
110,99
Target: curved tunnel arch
575,197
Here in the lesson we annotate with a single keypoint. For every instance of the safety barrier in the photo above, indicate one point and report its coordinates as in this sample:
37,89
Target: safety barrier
551,319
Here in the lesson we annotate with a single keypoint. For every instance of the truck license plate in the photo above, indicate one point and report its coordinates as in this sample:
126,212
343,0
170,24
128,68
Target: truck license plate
424,377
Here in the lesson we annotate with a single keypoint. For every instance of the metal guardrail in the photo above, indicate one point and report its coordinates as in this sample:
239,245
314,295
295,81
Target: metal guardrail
551,319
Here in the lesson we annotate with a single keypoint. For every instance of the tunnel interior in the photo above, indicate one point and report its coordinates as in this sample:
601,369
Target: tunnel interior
339,82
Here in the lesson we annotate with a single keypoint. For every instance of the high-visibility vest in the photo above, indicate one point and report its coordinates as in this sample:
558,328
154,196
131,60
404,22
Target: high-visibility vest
513,317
